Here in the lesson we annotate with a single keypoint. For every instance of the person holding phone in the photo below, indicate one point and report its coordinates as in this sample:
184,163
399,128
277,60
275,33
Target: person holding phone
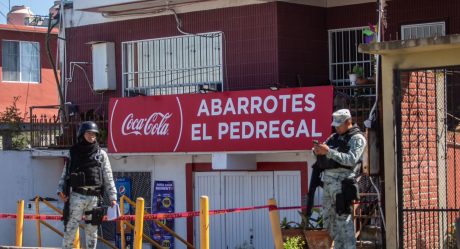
340,159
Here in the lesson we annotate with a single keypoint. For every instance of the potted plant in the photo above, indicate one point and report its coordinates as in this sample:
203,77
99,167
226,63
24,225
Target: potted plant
316,236
370,33
291,229
355,73
294,243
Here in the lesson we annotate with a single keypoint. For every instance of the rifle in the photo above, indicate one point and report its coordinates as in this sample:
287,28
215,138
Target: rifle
66,191
315,182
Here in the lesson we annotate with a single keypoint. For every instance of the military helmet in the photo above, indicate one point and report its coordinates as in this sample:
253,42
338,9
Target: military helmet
87,126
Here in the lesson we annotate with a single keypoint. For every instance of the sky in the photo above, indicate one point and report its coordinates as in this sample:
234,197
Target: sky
38,7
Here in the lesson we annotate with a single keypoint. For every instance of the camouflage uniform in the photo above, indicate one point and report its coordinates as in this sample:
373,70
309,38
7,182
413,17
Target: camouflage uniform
80,203
341,227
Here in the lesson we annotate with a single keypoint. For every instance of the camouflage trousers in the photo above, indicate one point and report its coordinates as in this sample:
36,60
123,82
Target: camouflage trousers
340,227
78,205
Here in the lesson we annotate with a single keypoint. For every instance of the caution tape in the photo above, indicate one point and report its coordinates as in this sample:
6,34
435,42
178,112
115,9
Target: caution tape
32,216
162,216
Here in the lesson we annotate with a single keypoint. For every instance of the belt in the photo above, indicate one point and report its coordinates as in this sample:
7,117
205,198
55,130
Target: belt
91,192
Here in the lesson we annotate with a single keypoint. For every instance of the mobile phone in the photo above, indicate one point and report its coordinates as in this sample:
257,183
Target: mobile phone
315,142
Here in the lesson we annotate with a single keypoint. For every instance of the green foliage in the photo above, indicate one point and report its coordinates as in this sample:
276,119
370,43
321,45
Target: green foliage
102,138
358,70
289,224
13,118
294,243
450,241
11,115
20,142
315,221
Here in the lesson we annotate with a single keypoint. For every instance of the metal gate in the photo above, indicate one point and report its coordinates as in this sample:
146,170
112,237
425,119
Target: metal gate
427,109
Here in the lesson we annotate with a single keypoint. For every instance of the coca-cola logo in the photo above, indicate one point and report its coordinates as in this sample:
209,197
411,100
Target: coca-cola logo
155,125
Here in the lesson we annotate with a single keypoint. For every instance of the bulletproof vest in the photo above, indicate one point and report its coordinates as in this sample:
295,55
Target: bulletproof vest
339,143
86,170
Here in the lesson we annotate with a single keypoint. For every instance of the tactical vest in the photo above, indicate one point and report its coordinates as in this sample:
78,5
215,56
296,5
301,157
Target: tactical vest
339,143
87,171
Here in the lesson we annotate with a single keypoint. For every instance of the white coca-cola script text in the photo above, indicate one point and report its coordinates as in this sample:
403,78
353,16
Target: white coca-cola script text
155,125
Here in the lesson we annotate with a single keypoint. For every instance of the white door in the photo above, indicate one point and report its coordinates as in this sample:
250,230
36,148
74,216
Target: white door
288,193
262,190
237,193
208,183
243,189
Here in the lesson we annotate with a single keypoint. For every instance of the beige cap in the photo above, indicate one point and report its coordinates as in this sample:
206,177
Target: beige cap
340,116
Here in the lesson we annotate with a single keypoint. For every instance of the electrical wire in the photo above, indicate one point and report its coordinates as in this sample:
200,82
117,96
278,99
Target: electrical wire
87,79
379,203
56,76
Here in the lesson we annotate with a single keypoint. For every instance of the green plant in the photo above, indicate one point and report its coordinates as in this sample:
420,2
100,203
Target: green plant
450,240
315,221
289,224
294,243
358,70
12,117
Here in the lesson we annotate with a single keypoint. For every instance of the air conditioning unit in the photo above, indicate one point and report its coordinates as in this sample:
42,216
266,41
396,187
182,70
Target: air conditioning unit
104,76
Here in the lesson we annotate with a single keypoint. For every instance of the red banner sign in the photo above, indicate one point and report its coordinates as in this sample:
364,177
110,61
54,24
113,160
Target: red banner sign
257,120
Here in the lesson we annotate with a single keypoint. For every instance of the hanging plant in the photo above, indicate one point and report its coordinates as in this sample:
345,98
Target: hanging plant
370,33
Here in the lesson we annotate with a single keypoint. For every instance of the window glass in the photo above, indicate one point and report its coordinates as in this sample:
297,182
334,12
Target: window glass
21,61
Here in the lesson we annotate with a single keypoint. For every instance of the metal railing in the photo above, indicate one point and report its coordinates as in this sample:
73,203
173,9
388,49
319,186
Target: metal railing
358,99
50,132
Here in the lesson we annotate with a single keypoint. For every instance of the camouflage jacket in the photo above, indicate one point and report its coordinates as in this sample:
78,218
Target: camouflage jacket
352,158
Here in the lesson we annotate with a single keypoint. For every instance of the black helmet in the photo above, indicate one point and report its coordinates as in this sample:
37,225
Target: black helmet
87,126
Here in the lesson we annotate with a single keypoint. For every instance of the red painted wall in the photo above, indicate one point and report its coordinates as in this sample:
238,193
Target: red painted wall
302,45
250,39
357,15
420,11
32,94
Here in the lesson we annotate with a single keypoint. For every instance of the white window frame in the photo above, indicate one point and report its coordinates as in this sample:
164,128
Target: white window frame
36,45
363,60
173,65
422,27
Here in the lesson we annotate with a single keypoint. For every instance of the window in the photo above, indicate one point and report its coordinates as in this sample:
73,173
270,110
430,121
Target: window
423,30
343,55
21,61
173,65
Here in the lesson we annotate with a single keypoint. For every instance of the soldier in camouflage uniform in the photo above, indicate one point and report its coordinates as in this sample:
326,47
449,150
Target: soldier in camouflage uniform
340,157
89,174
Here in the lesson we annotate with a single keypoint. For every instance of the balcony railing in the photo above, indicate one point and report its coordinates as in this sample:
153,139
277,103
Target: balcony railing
359,99
50,132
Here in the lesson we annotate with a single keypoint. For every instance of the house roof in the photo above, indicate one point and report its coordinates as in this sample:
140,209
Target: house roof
22,28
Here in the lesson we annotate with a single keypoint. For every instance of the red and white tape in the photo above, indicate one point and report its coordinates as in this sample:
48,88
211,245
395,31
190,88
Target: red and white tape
162,216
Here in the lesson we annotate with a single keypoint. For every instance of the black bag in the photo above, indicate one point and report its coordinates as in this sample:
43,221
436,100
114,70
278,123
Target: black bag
341,206
344,200
350,190
97,215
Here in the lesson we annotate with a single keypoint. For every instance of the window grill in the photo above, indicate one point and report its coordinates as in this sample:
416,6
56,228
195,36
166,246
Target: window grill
423,30
343,55
174,65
